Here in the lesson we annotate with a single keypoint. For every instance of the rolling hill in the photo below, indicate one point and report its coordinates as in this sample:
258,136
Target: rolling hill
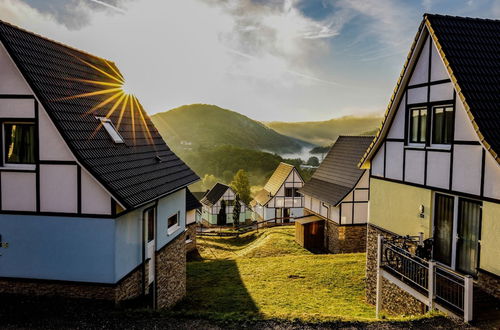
198,126
324,133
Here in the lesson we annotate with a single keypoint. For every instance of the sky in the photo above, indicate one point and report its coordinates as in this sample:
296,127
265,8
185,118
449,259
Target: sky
272,60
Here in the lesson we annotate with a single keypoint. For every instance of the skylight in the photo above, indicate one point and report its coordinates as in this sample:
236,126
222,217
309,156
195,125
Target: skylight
110,128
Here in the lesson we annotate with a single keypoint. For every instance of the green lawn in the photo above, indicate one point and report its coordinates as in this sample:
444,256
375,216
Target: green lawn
266,275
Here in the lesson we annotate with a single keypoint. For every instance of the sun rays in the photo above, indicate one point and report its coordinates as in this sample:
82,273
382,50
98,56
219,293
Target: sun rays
116,97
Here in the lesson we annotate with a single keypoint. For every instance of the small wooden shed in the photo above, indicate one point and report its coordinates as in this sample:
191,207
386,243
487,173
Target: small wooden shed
309,232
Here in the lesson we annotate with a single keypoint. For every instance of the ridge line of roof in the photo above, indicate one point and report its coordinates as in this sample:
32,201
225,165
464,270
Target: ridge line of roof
54,41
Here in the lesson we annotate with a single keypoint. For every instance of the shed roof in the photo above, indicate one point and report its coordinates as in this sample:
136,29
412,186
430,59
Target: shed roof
73,87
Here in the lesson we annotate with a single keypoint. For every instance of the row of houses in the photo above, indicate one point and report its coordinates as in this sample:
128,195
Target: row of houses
422,197
93,203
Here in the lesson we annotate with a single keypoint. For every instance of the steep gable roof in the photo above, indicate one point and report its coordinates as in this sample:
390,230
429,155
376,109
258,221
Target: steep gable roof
214,194
192,203
71,86
274,183
470,49
338,173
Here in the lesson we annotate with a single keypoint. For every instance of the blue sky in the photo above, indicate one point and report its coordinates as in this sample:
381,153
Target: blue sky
291,60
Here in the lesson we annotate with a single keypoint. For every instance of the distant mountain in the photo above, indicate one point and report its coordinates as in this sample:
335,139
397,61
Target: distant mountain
197,126
324,133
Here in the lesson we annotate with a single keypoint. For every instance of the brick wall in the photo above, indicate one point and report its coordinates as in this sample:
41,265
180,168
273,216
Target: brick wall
171,272
344,239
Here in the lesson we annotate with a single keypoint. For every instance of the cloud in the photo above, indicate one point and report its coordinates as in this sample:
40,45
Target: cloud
177,52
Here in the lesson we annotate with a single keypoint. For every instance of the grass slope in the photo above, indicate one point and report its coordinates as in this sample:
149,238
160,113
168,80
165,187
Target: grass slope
206,125
326,132
266,275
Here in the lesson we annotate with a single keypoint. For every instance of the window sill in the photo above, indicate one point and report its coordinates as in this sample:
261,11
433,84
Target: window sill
441,147
18,167
172,229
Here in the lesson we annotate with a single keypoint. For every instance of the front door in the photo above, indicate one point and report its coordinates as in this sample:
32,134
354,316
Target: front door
443,228
149,245
468,235
457,224
286,215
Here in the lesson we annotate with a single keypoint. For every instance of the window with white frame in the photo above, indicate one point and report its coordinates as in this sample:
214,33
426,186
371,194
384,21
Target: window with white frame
442,124
418,125
172,223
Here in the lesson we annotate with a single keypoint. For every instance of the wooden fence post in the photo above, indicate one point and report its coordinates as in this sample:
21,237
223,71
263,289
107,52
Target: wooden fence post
468,298
379,277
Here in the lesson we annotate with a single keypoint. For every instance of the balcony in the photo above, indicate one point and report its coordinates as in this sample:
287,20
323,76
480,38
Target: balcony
431,283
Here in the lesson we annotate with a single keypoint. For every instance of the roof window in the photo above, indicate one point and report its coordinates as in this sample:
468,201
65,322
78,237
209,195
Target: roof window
110,128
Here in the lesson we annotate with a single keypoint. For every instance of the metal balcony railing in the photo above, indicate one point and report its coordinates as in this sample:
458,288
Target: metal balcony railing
432,283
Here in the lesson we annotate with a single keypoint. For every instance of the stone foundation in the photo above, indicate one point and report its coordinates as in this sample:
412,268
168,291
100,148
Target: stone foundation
344,239
127,288
490,283
394,299
171,272
191,237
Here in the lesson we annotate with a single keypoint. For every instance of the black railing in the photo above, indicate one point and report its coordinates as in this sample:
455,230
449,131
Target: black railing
441,285
449,288
407,267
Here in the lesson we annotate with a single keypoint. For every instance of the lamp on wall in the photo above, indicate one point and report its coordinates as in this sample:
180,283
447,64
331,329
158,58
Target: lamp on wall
421,209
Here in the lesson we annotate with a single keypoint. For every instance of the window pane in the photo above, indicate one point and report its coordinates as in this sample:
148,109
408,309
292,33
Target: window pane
19,143
448,127
438,126
423,125
288,192
414,125
172,221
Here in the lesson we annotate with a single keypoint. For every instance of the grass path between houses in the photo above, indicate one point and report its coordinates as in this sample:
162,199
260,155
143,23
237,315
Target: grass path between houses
266,275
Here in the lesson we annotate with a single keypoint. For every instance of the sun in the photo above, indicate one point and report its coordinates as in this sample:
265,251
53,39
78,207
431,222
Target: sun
118,94
126,88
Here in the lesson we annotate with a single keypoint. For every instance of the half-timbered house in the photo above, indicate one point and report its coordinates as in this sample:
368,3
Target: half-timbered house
219,196
280,198
435,174
92,200
338,195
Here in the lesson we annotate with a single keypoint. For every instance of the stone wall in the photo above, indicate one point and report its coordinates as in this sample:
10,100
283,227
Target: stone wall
32,287
130,286
490,283
344,239
171,272
190,237
394,299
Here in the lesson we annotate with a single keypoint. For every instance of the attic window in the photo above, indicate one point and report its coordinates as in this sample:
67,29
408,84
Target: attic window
110,128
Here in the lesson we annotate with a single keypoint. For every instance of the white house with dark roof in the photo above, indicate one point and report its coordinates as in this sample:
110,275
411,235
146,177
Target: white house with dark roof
336,198
92,200
213,201
280,198
435,176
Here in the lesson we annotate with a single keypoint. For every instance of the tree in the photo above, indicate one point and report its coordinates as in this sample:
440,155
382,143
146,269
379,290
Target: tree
313,161
221,217
241,185
208,181
236,212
